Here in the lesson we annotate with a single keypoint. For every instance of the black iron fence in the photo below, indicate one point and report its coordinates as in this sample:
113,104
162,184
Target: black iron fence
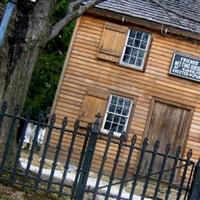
63,163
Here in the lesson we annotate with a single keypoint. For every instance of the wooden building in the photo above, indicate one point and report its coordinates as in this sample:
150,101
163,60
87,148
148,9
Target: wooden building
138,64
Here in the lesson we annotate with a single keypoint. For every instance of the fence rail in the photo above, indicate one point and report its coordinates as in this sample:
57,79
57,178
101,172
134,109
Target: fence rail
126,178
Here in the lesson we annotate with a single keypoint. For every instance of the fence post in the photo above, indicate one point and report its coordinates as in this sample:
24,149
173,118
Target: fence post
81,186
195,188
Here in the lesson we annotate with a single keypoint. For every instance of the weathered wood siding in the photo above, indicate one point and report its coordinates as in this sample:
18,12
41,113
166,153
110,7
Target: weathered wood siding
85,70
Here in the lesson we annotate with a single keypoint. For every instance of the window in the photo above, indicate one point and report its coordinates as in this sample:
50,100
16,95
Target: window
135,49
117,115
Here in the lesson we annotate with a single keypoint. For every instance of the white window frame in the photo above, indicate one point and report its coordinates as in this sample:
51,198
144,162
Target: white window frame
141,68
107,111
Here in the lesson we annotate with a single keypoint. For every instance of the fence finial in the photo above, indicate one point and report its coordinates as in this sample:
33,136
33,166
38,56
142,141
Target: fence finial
96,126
156,145
122,137
98,116
189,154
76,125
134,139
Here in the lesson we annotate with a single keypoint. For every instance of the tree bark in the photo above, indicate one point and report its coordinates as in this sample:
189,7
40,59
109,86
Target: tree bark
29,30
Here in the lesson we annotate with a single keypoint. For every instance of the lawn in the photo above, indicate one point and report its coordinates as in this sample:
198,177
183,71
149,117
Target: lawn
9,193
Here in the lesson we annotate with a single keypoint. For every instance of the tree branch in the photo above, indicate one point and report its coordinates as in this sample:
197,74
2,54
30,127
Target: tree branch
82,7
73,15
73,4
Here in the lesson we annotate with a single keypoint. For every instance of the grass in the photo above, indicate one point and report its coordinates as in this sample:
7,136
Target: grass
4,198
14,193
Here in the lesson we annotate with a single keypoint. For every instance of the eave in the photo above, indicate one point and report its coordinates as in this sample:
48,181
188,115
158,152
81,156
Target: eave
163,28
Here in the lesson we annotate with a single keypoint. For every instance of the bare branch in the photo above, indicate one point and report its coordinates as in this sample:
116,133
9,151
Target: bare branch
71,16
74,13
175,12
73,4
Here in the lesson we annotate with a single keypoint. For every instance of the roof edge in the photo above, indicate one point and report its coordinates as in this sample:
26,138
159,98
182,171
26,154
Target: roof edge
144,22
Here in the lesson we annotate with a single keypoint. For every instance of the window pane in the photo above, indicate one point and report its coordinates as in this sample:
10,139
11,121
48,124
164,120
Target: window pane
145,36
112,108
109,117
126,59
120,129
114,127
121,102
139,62
107,125
132,33
141,54
143,45
125,111
132,60
128,50
116,118
123,120
137,43
127,103
139,35
114,100
119,110
130,41
134,53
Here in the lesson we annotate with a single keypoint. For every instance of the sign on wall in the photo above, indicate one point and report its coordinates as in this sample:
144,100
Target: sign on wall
185,66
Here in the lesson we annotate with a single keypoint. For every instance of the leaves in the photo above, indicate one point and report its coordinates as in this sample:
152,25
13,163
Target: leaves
4,1
44,82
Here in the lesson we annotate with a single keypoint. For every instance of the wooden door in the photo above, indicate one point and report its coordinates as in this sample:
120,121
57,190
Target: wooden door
169,124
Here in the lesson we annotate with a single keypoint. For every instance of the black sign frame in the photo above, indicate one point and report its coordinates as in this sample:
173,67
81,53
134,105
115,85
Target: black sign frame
179,71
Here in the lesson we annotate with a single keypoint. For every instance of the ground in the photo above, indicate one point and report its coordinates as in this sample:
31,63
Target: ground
9,193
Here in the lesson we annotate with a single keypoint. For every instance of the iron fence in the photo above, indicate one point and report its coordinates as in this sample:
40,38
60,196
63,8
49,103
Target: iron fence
131,175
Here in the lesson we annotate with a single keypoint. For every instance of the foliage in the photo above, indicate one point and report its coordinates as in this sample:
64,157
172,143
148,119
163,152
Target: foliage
49,65
4,1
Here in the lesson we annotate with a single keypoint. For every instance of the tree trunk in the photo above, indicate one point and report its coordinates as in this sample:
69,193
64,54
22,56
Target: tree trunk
29,30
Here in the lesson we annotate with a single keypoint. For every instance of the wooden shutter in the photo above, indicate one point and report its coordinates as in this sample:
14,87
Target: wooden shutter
112,42
93,103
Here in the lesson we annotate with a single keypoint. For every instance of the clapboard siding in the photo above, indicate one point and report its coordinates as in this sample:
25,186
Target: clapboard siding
84,69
